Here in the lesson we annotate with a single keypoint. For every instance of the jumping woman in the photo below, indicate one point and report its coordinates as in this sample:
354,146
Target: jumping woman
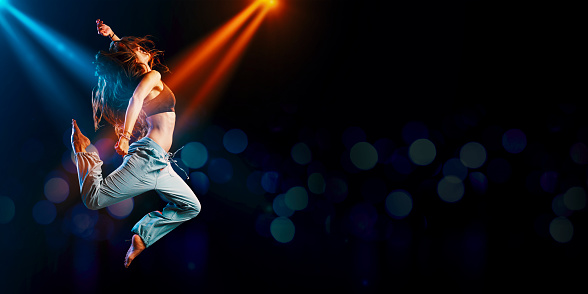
131,96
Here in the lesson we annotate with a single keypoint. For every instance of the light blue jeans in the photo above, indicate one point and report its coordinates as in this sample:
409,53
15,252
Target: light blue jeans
146,167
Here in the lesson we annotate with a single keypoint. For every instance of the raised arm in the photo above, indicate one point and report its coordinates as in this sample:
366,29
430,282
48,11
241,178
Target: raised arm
105,30
149,81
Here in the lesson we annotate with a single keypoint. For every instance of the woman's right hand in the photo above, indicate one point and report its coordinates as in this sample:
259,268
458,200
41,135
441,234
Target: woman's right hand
103,29
122,146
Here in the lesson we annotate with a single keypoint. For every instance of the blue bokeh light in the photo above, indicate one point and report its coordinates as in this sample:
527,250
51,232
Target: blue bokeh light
194,155
370,247
398,204
282,229
422,152
44,212
270,181
301,154
81,221
450,189
220,170
280,207
7,210
579,153
561,229
548,181
363,155
575,198
472,155
296,198
200,182
235,141
316,183
559,207
514,141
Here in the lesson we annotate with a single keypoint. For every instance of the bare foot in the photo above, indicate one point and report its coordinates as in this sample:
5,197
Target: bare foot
137,246
79,142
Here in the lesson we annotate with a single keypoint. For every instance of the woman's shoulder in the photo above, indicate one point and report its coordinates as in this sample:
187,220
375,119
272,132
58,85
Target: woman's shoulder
152,77
152,74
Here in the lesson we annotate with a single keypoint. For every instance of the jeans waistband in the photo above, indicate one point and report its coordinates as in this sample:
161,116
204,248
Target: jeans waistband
148,143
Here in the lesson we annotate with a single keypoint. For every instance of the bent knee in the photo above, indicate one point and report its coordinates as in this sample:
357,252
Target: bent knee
90,203
193,210
92,206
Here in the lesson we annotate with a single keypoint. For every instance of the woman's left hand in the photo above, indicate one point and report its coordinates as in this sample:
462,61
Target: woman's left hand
103,29
122,146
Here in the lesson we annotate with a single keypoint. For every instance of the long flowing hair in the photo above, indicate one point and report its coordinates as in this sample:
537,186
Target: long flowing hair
119,73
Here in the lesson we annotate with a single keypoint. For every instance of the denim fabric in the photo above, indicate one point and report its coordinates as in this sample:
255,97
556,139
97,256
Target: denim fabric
146,167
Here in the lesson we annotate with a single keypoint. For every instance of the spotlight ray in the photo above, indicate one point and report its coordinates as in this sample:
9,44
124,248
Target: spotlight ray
72,56
204,98
192,64
54,93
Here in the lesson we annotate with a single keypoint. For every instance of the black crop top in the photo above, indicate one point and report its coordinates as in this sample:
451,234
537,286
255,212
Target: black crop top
164,102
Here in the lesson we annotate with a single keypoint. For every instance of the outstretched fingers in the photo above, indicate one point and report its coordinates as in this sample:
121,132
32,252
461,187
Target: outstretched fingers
102,28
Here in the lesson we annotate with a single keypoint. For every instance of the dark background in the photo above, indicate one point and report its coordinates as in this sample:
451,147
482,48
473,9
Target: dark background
469,72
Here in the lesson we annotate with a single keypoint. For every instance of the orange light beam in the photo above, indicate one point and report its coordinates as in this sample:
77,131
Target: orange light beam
191,66
214,83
